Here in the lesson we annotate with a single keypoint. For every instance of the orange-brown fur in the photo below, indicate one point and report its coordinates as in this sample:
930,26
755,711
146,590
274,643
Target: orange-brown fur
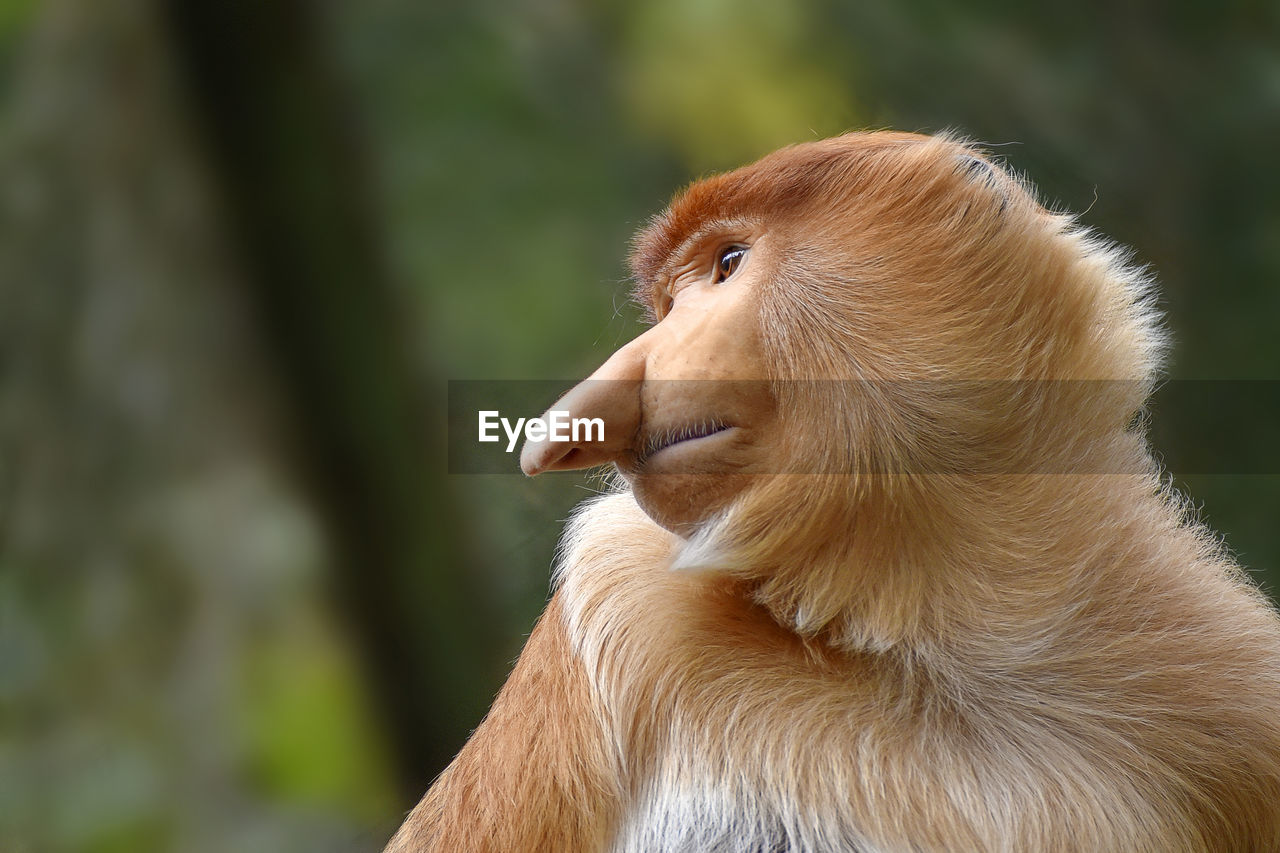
536,774
959,617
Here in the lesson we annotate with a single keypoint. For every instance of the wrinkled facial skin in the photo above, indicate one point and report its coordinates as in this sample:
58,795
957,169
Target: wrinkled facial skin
688,412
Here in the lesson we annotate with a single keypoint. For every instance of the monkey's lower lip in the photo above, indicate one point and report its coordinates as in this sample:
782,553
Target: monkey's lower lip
664,441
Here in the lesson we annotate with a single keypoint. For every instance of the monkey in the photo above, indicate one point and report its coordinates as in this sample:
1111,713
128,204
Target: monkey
889,565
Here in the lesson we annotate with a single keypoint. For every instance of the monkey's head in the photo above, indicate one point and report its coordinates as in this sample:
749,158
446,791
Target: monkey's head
844,320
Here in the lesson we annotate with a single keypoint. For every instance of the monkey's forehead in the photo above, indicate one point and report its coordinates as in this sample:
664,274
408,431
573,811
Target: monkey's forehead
790,180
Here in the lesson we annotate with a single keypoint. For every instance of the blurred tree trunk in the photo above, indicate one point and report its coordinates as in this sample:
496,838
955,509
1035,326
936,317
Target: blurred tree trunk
298,190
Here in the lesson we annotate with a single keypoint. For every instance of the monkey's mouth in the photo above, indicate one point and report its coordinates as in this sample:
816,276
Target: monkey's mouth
662,439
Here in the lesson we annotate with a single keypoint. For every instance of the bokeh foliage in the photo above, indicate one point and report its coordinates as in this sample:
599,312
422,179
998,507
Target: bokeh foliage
188,658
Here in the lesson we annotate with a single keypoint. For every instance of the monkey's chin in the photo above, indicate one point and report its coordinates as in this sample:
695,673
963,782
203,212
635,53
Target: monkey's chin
682,503
682,487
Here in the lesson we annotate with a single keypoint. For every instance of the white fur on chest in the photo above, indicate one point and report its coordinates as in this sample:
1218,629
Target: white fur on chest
710,816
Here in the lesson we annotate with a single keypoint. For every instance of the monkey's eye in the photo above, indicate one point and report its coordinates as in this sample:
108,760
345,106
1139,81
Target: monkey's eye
728,261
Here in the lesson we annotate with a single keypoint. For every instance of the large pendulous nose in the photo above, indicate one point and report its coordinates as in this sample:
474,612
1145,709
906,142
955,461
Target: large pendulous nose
612,395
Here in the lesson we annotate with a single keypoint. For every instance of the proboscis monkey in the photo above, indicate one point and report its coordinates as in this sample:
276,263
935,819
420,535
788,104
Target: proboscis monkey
892,568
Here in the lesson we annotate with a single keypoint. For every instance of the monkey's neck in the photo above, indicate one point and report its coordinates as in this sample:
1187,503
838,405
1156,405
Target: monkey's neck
923,562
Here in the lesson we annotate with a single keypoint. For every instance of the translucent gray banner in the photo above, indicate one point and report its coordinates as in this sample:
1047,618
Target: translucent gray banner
1195,427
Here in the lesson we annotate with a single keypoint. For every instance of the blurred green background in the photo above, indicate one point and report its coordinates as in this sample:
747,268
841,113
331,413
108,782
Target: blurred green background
244,245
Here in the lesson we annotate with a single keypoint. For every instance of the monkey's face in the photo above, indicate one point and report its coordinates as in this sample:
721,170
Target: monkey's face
810,310
688,413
